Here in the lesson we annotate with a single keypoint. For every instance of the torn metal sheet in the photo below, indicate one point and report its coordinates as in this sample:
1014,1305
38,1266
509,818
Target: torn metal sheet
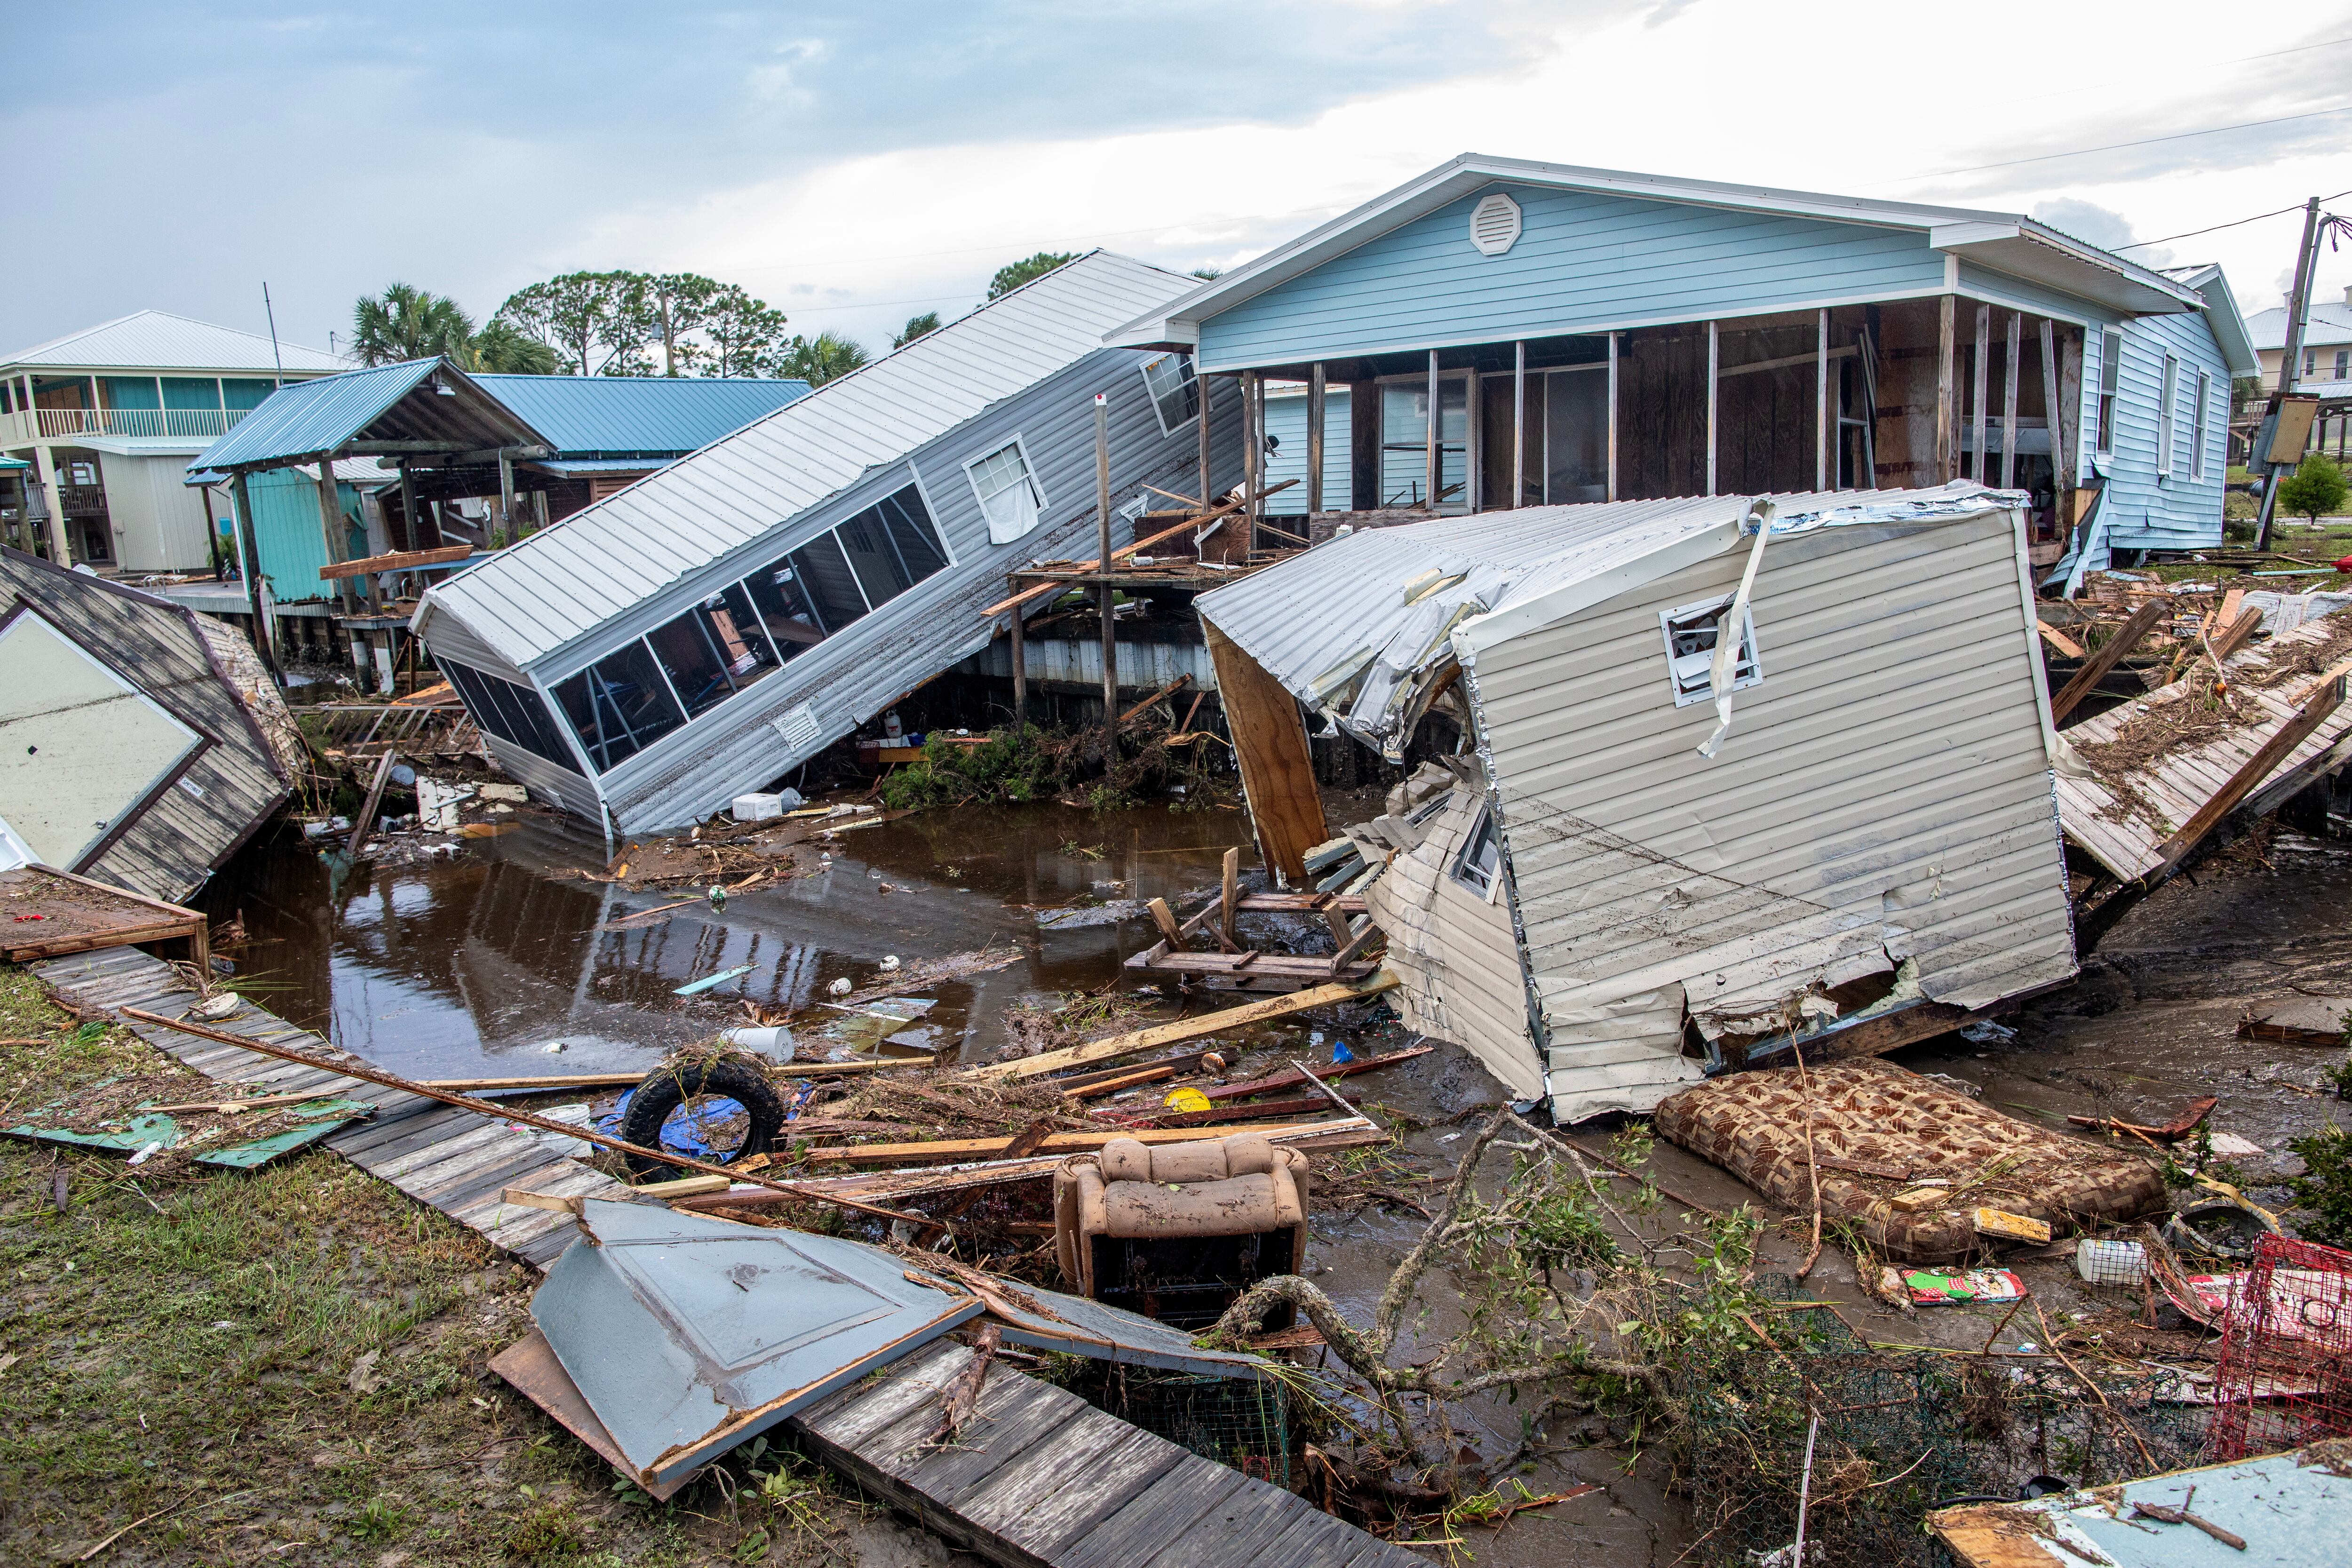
143,1130
687,1335
2287,1507
1073,1325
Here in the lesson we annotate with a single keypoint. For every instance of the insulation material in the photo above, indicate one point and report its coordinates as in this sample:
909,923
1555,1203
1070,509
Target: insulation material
1868,1113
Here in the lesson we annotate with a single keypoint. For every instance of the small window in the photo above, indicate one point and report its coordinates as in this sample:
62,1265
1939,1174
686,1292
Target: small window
1482,856
619,705
1175,393
824,571
784,607
2111,366
2343,365
1008,493
2196,426
1691,632
2166,425
2310,364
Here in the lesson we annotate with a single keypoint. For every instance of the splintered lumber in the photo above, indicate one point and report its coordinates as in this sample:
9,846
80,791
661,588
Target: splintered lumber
1186,1028
1293,1077
2180,1127
2059,640
1221,1113
382,1080
2096,666
1057,1144
2314,712
366,819
1277,765
1081,568
398,560
1122,1080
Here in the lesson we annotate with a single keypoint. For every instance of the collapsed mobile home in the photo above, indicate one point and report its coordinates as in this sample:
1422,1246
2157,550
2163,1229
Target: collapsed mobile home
709,630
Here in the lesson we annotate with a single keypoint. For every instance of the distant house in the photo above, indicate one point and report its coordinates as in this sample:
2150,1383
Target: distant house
1516,333
109,417
2327,342
710,628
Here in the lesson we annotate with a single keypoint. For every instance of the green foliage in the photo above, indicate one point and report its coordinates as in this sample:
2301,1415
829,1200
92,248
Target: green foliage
548,1533
1208,274
820,358
2325,1188
405,322
916,327
502,349
741,335
584,318
2316,487
1009,766
1012,276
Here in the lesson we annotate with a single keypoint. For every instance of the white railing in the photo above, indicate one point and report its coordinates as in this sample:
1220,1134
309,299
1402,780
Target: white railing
53,424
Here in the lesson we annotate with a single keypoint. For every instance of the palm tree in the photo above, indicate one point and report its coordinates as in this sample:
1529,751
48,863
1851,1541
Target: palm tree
1028,269
502,348
820,358
408,323
916,327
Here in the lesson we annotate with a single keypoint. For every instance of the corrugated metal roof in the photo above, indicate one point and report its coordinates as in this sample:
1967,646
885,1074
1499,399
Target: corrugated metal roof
2330,323
313,416
1346,624
643,415
154,340
576,467
537,595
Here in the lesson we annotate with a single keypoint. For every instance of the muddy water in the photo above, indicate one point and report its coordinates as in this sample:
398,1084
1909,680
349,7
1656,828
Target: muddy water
482,964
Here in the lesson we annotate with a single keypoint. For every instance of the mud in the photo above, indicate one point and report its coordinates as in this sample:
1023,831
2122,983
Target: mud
483,962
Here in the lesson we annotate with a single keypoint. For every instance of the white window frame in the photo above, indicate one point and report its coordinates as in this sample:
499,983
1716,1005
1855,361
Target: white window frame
2110,393
2168,420
1192,379
1460,869
1746,671
998,533
2196,426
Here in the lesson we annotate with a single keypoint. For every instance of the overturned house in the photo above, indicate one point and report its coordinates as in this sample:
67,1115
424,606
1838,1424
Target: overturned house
706,630
143,742
1662,847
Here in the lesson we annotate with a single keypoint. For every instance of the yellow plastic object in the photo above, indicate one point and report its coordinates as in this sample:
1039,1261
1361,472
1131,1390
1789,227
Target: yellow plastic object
1186,1099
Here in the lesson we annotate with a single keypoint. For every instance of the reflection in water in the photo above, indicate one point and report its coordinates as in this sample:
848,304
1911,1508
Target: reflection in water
451,967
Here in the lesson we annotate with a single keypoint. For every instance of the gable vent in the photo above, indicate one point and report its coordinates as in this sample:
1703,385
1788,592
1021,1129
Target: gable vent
1495,224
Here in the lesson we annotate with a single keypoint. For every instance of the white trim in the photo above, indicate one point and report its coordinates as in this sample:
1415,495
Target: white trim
1718,603
931,512
2168,415
1028,472
1143,369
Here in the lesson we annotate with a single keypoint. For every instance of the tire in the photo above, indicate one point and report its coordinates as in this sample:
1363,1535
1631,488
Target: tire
664,1090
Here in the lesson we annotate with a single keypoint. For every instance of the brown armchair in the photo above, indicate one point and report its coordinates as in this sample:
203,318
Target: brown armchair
1177,1231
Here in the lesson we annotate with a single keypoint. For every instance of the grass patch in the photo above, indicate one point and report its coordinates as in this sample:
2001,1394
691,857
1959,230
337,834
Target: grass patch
190,1347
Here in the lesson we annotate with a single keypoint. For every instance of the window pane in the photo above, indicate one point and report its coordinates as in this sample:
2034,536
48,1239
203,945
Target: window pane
513,713
1404,438
784,607
1576,437
910,522
877,559
1174,392
619,705
713,650
1008,495
824,573
2111,361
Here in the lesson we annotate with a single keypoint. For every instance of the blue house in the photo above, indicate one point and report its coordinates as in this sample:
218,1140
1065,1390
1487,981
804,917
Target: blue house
1586,335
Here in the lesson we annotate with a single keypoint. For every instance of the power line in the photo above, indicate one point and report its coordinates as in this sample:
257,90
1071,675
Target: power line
2116,146
2233,223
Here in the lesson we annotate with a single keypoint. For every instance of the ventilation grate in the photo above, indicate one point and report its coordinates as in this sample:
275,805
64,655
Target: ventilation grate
1495,224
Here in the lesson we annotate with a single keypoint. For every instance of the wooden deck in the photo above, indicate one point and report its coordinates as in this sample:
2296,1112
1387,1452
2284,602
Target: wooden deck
457,1160
1043,1479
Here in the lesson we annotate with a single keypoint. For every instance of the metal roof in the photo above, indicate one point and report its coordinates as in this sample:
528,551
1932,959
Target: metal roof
313,416
537,595
155,340
2221,313
2329,323
2006,242
644,415
1348,626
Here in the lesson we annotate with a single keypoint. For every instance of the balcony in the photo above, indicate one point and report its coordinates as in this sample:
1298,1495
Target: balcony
64,423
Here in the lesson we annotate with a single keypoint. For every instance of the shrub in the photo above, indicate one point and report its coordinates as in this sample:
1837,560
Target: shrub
2315,488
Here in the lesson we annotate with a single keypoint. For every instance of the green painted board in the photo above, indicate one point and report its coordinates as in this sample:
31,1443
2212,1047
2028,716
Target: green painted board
319,1117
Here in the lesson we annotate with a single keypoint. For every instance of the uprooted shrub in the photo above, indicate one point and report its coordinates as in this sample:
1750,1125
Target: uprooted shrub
1029,762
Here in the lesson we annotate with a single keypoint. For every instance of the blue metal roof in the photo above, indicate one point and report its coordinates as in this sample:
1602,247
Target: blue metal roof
650,416
313,416
7,464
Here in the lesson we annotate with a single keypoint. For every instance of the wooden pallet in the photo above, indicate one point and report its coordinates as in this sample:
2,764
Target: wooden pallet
1042,1478
459,1161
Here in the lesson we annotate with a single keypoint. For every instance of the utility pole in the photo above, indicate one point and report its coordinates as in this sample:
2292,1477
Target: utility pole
1104,596
2298,308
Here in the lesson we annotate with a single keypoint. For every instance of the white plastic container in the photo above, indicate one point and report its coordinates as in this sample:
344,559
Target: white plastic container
776,1042
2110,1262
757,807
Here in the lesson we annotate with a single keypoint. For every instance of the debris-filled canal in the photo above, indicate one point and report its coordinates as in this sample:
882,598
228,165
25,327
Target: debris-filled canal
511,957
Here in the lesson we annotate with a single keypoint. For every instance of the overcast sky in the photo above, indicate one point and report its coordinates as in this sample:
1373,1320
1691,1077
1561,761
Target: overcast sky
858,164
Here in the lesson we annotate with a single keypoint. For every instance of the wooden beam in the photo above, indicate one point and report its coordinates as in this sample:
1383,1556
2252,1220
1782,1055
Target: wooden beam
2233,633
2053,414
1948,465
1978,371
398,560
1315,398
1432,469
1519,424
1277,766
1229,896
366,819
2315,711
1165,919
1106,598
1613,415
1192,1028
2059,640
1201,384
2009,402
2106,656
1078,573
1714,379
957,1149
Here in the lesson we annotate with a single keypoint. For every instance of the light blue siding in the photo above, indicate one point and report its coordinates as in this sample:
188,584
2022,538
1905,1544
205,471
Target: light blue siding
1286,421
1583,262
1981,283
286,527
2145,510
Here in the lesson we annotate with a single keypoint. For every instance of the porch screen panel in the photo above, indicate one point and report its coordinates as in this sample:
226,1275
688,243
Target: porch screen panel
1404,443
824,571
784,607
513,713
1576,436
619,706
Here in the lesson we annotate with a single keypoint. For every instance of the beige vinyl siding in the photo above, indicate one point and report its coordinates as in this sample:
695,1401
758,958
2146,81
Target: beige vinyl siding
1885,782
1456,952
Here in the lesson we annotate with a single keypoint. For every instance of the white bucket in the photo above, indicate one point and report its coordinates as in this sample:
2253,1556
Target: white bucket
775,1042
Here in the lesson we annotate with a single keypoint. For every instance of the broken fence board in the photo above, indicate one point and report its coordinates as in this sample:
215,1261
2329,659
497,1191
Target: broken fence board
1186,1029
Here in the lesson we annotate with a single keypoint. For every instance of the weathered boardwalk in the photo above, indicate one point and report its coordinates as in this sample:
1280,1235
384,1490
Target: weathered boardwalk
1043,1479
457,1160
